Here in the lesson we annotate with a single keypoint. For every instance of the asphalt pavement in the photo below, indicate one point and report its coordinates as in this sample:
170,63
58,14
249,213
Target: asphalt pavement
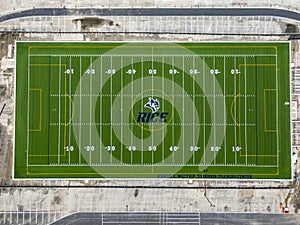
164,218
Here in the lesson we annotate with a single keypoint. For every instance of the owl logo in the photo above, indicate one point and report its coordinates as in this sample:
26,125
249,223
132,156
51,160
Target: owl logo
152,104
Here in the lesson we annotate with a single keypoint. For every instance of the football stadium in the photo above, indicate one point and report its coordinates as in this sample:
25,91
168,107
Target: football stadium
152,110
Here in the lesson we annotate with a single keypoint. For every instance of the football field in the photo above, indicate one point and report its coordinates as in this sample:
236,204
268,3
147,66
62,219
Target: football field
152,110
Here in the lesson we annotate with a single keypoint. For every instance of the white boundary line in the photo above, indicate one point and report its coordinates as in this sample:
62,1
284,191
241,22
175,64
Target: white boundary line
291,122
14,120
155,42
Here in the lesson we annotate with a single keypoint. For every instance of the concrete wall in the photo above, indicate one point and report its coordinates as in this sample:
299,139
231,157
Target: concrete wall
14,5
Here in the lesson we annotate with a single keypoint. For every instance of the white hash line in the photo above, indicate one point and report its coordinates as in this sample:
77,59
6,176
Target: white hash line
173,124
150,54
158,95
149,164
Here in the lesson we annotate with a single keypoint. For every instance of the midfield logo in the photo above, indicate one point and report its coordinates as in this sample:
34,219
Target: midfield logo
152,104
146,117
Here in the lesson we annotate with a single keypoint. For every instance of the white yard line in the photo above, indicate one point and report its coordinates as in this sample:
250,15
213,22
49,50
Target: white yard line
100,111
193,75
235,159
80,90
225,111
204,99
121,114
172,106
59,93
277,103
183,77
214,91
91,93
245,94
28,104
111,144
142,130
70,108
152,125
131,136
163,104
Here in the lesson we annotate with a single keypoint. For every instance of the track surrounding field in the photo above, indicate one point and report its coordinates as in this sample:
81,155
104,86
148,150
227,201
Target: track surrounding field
152,110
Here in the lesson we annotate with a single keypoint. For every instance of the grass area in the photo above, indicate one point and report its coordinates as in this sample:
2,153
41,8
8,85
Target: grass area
152,110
